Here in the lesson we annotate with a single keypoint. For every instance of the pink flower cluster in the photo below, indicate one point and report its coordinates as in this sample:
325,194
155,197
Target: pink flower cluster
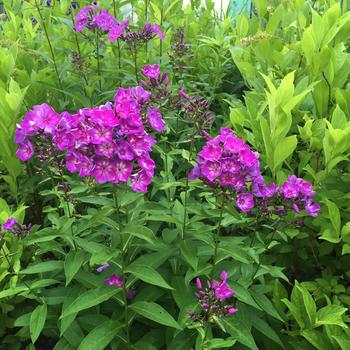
90,17
212,299
110,143
226,161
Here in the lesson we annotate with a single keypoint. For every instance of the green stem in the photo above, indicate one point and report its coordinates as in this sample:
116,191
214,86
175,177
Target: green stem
135,63
79,53
215,256
266,248
50,46
184,222
98,60
160,41
126,310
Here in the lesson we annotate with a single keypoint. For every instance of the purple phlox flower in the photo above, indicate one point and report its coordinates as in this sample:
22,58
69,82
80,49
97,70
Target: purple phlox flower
211,170
9,224
222,290
124,150
104,170
155,119
151,72
194,173
184,95
211,152
245,202
104,20
123,170
290,188
102,267
156,29
247,157
147,164
312,208
140,181
140,94
83,18
115,280
25,151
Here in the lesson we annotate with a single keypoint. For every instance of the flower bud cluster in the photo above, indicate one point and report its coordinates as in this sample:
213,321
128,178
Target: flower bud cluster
212,300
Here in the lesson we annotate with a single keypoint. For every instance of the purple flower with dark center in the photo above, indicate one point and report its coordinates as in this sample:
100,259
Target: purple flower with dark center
155,119
123,170
124,150
104,170
245,202
9,224
290,188
211,170
115,280
102,267
151,72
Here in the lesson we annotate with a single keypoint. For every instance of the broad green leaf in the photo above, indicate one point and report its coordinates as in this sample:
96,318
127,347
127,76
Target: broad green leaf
217,343
41,267
37,322
141,232
155,313
283,150
100,336
74,260
239,332
331,315
148,274
90,298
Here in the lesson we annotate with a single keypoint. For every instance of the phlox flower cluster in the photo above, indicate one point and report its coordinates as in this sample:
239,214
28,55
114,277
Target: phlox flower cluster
213,299
111,143
92,18
226,161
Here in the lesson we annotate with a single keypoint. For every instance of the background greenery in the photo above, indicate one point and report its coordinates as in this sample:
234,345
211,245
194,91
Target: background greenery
280,79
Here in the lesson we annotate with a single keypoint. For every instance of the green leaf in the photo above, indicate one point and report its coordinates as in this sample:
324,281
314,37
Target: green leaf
100,336
240,332
148,274
283,150
74,260
41,267
37,321
331,315
155,313
334,215
89,299
218,343
317,339
141,232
